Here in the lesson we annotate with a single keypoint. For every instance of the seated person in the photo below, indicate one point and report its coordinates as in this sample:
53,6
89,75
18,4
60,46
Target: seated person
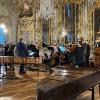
62,48
44,45
33,50
98,44
31,53
43,52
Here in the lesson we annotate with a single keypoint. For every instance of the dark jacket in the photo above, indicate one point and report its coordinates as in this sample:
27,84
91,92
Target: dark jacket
80,55
35,50
6,50
11,50
22,50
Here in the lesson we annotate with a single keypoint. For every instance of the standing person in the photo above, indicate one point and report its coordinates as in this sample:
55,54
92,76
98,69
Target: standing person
6,47
21,52
87,48
2,50
80,55
88,53
1,54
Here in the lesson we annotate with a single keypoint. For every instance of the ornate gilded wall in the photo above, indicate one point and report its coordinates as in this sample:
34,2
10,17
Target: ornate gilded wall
86,19
26,29
25,18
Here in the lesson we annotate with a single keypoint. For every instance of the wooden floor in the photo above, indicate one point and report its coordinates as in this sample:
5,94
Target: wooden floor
24,88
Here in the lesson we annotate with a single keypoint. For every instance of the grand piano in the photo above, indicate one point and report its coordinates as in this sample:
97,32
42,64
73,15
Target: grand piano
67,83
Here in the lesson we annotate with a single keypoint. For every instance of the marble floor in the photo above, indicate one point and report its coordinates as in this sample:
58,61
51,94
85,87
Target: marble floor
24,88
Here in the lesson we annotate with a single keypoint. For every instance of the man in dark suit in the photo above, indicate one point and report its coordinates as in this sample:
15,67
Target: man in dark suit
6,52
21,52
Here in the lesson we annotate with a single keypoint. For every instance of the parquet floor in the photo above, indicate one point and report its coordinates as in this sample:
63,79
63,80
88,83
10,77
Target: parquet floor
24,88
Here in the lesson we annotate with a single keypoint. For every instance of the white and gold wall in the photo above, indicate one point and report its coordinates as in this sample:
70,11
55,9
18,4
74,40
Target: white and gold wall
31,29
8,17
26,29
86,19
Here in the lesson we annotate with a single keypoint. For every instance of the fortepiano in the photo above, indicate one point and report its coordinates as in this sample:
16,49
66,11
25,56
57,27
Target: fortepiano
68,83
20,60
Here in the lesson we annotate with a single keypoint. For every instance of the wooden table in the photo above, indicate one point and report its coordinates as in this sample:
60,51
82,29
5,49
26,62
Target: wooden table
68,83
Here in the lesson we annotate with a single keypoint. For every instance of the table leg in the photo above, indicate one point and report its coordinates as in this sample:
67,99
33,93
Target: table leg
99,89
4,66
0,68
37,69
92,93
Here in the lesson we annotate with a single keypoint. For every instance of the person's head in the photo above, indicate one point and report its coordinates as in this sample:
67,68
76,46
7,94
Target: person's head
44,44
80,42
86,41
6,43
35,43
21,40
54,43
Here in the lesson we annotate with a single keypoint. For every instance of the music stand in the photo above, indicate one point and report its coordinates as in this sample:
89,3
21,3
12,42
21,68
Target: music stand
50,48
